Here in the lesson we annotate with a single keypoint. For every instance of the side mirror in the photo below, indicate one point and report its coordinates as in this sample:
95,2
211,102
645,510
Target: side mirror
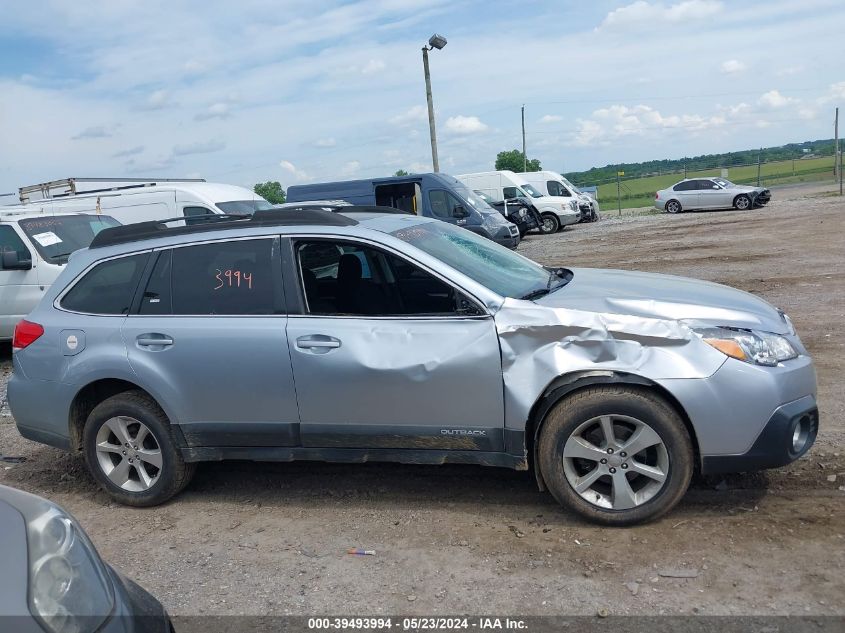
460,212
10,260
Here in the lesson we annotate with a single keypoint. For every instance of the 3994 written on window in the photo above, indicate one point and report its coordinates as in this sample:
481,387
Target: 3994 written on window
231,278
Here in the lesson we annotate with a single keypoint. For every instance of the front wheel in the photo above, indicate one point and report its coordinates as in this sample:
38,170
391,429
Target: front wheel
550,224
129,449
742,202
615,455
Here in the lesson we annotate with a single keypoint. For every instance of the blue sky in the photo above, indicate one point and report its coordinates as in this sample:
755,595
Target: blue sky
301,91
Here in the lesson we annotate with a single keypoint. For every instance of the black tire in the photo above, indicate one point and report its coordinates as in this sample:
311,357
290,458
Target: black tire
577,409
742,202
673,206
550,223
174,473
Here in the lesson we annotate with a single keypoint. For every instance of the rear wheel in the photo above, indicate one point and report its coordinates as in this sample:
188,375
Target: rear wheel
615,455
550,224
742,202
129,449
673,206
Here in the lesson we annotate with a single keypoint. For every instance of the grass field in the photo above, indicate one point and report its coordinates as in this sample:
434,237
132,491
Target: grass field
639,192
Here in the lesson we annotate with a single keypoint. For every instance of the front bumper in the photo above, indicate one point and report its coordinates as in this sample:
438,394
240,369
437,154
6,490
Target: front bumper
741,415
774,446
136,611
762,198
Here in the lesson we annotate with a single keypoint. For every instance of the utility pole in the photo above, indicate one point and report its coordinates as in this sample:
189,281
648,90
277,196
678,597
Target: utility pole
685,168
837,154
434,160
759,158
524,155
618,193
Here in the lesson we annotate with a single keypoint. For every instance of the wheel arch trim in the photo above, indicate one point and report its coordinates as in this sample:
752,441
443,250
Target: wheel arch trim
566,384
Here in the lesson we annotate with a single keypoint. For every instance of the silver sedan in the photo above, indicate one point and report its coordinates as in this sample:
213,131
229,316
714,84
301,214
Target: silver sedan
710,193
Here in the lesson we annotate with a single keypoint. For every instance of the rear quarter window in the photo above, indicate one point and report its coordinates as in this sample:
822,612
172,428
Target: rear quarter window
108,288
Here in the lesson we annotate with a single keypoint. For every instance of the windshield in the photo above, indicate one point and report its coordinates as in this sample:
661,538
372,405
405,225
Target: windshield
531,190
470,196
484,197
244,207
726,184
570,185
56,237
501,270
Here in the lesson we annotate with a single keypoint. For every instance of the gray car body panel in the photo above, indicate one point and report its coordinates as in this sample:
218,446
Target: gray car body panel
395,384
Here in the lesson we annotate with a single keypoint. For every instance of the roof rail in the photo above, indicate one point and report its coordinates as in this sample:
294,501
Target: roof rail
338,208
67,186
272,217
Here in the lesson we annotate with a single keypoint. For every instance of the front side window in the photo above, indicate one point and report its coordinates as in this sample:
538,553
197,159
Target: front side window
443,203
230,278
706,185
10,242
107,288
197,215
557,189
56,237
345,278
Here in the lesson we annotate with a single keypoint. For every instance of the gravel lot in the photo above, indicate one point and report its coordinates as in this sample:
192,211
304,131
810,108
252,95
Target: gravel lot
272,538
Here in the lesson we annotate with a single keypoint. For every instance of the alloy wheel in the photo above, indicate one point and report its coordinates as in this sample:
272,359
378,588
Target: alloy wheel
615,462
128,454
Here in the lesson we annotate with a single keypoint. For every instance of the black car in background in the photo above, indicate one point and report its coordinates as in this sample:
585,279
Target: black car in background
54,581
519,211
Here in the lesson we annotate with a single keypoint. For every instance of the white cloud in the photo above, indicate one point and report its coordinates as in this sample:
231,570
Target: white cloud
96,131
351,168
158,100
193,67
199,147
373,66
131,151
807,114
465,125
774,99
550,118
414,115
325,142
298,174
642,13
218,110
732,66
789,70
835,92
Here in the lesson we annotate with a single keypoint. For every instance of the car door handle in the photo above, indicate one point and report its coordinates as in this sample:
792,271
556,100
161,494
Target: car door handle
318,342
147,340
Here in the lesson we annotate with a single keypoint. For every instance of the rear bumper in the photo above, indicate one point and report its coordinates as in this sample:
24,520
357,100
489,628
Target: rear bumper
774,446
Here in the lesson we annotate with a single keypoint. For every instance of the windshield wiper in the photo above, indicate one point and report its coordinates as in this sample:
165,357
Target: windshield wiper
535,294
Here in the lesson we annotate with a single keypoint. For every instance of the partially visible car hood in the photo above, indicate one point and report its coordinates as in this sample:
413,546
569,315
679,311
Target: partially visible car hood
658,296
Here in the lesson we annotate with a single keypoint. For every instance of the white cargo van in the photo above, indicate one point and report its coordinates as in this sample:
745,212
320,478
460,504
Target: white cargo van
142,199
556,212
554,184
34,248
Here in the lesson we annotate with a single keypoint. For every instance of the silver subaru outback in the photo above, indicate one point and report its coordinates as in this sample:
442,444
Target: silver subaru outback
365,335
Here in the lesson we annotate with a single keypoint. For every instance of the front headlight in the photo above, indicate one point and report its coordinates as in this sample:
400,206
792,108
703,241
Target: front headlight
751,346
69,589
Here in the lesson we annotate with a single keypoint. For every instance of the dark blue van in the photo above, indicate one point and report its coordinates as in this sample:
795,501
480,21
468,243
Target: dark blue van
433,195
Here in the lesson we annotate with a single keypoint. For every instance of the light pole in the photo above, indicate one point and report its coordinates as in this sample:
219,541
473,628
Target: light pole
438,42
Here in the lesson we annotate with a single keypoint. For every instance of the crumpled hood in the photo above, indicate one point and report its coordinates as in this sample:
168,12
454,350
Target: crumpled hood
658,296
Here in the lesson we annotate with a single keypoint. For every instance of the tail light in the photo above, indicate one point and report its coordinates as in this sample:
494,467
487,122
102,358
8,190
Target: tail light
26,333
657,196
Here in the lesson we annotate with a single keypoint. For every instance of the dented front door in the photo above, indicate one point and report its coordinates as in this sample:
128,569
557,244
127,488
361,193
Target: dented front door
382,382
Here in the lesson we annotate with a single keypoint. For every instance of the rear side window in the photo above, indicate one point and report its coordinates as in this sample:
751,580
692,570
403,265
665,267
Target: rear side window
687,185
107,288
233,278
